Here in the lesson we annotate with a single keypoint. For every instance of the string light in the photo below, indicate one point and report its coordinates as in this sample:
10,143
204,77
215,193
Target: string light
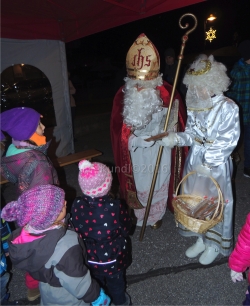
210,35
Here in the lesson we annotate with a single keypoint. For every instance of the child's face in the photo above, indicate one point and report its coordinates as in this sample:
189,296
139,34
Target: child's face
63,212
40,129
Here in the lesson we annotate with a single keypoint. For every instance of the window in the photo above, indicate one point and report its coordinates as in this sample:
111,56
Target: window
26,85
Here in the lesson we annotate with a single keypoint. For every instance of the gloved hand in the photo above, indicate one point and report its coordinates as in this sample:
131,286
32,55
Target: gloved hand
139,142
203,170
102,300
236,276
169,141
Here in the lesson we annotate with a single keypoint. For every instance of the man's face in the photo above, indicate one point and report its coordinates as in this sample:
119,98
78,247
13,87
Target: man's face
169,60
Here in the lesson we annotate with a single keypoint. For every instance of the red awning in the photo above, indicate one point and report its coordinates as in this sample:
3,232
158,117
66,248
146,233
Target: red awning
68,20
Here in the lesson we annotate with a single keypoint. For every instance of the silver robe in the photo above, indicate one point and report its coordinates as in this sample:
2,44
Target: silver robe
212,135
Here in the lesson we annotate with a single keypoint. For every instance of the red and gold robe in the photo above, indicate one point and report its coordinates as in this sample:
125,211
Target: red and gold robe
119,137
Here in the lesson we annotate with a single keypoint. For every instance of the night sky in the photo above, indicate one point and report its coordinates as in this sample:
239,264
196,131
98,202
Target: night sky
233,16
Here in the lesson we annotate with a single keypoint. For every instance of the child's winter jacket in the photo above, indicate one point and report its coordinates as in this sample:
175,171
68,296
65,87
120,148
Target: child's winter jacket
5,233
29,169
56,259
104,224
239,259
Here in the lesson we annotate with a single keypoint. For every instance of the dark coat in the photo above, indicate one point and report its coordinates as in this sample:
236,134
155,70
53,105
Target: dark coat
104,224
169,73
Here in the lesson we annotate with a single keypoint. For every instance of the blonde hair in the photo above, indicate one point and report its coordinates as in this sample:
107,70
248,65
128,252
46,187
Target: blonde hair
61,223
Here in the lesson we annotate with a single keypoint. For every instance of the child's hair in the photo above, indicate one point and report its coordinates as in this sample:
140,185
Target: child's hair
95,179
38,207
19,122
61,223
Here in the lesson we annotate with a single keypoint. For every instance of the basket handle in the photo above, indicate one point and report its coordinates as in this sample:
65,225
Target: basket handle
182,180
219,203
220,196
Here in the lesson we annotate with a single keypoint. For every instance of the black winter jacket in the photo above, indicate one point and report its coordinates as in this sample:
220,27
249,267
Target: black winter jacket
104,224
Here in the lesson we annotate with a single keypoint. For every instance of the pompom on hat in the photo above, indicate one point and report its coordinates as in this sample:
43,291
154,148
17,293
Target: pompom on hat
95,179
19,122
38,207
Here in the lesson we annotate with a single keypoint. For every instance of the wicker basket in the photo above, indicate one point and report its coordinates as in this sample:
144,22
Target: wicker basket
196,225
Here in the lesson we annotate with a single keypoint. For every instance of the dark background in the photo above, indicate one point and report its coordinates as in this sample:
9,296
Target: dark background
232,24
97,62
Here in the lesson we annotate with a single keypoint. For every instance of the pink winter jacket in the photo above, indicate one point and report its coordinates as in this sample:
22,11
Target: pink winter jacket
239,260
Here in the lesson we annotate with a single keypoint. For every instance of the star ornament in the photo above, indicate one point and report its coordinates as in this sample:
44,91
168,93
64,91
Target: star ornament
210,34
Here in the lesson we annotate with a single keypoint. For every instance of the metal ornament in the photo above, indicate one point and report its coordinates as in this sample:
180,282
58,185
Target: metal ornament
180,57
201,71
210,35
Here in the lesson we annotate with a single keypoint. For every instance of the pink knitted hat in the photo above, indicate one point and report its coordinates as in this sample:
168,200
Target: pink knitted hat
39,207
94,178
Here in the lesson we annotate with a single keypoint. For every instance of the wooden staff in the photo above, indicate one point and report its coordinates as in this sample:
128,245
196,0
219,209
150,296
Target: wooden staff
180,57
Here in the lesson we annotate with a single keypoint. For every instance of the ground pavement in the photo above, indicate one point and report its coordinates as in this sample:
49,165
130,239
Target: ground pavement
160,274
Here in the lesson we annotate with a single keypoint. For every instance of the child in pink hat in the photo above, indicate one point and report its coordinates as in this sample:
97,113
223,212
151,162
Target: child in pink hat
103,223
48,251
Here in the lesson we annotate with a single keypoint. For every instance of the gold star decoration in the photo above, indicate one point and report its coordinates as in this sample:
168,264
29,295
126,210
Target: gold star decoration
210,34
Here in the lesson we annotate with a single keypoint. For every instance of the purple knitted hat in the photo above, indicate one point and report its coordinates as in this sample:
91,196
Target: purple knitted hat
94,178
19,122
39,207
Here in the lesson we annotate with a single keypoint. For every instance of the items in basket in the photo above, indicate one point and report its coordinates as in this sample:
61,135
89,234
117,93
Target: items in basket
202,210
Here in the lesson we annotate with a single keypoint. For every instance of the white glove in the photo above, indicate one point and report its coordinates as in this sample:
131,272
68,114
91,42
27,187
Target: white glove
236,276
203,170
139,142
168,141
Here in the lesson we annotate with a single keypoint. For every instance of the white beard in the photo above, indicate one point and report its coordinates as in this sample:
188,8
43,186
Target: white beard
139,106
198,97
